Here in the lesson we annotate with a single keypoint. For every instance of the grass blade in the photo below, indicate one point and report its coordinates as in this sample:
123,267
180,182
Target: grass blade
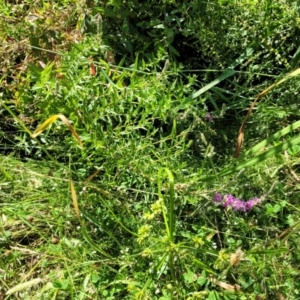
51,120
241,133
91,242
257,159
44,126
223,76
272,138
169,221
75,202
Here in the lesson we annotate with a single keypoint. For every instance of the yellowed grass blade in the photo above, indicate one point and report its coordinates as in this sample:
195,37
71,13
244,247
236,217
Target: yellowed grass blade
241,133
23,286
92,176
51,120
45,125
75,202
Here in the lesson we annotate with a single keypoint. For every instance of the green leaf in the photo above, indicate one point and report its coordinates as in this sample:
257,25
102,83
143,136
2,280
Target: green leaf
268,251
213,296
222,77
203,266
173,50
189,277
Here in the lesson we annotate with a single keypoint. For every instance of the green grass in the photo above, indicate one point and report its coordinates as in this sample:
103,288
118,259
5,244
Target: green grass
129,214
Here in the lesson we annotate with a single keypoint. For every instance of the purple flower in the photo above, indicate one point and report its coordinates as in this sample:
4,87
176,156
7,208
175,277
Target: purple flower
208,117
249,204
239,205
230,201
236,203
218,197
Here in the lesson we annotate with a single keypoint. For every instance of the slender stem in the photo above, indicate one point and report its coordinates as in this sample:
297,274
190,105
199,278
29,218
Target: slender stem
169,220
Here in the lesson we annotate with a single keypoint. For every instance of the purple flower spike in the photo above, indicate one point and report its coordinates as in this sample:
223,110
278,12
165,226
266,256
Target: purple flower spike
236,203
